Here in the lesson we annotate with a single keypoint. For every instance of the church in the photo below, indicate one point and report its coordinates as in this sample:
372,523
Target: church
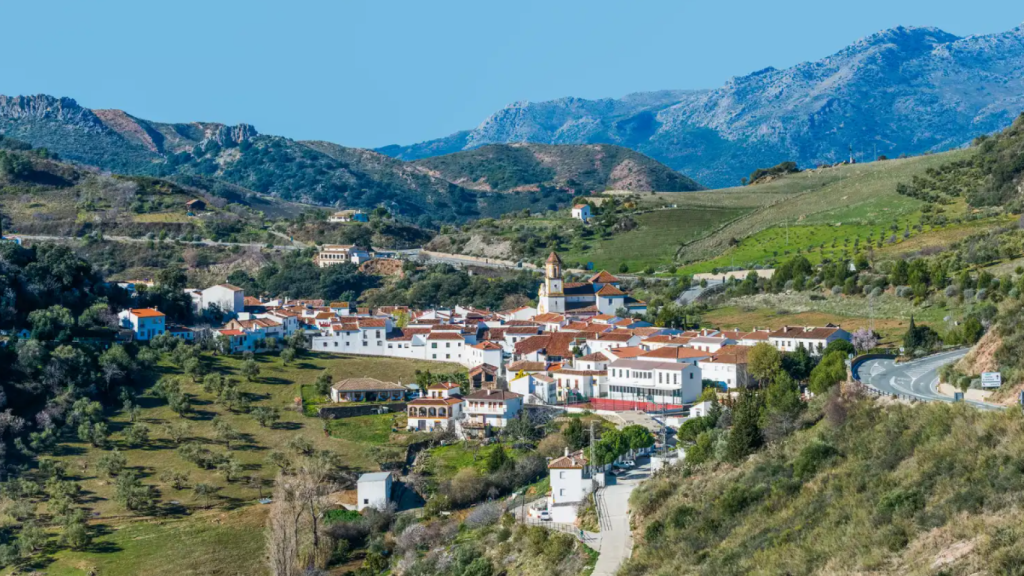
599,295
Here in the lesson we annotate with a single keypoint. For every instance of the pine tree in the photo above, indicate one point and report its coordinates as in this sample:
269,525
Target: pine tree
745,436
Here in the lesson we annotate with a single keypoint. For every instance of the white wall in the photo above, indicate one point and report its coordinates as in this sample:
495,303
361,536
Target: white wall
376,494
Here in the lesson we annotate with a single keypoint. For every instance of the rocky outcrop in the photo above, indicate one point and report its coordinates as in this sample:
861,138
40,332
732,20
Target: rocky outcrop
49,108
905,90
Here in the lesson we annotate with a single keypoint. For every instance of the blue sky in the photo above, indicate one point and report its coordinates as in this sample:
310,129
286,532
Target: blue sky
380,72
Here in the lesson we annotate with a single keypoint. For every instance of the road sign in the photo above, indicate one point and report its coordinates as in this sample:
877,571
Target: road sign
991,380
902,350
958,396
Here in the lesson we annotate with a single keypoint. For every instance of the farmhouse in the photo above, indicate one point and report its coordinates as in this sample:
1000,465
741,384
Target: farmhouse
581,212
145,323
366,390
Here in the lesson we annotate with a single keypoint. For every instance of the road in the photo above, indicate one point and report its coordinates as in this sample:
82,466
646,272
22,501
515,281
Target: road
613,504
141,240
695,291
918,379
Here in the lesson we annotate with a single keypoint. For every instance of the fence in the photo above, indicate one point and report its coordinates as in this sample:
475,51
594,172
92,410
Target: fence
585,538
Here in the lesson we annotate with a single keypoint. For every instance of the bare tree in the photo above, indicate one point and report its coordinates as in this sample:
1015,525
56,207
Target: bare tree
296,539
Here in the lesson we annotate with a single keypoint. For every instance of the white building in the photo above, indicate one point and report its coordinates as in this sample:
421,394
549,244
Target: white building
146,323
814,340
226,297
581,212
610,340
348,216
579,385
332,254
571,481
484,353
654,382
728,367
535,387
374,490
710,344
493,408
551,297
439,407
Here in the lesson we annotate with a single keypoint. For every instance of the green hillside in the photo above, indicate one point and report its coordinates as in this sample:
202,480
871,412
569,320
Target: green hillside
914,490
578,168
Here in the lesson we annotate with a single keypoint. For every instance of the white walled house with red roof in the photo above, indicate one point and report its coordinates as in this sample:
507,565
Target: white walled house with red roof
572,480
521,313
814,340
535,388
438,407
485,353
581,212
493,408
609,340
145,323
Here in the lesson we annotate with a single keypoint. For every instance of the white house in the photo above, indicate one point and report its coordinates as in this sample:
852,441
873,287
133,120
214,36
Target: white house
571,481
484,353
814,340
578,385
146,323
581,212
521,313
492,407
710,344
439,407
728,367
609,340
596,361
445,346
538,386
228,298
656,382
374,490
348,216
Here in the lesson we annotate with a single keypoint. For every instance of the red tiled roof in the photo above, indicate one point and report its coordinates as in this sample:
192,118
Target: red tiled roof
602,277
487,346
553,344
676,353
444,336
574,461
609,290
147,313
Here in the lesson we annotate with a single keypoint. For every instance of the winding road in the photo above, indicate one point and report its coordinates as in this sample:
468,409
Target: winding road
129,239
918,379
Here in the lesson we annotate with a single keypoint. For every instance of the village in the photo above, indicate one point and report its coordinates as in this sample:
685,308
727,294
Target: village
579,350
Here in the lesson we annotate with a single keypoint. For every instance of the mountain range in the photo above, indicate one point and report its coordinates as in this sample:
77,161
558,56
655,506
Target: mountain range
485,182
900,91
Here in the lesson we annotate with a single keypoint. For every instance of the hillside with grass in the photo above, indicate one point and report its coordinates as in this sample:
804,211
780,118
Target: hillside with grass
864,487
576,168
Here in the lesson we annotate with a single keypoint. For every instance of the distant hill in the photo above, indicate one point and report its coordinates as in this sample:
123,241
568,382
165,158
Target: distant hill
221,156
901,91
580,168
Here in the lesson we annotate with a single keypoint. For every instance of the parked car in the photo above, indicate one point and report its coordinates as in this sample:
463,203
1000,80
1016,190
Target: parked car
628,464
545,516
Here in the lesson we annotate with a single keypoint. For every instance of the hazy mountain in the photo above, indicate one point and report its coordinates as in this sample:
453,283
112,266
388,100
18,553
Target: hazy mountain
581,168
901,91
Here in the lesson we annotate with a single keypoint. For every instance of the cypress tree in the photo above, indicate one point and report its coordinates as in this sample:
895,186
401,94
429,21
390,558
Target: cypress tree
745,436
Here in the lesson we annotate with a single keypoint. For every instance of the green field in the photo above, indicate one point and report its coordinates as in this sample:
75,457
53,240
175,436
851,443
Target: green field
224,533
655,241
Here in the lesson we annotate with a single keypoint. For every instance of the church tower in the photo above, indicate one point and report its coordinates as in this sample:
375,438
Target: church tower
551,298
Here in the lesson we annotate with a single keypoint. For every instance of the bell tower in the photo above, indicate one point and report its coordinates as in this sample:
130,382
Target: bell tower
551,297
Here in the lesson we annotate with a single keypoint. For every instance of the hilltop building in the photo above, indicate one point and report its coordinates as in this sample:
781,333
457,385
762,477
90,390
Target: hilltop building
599,295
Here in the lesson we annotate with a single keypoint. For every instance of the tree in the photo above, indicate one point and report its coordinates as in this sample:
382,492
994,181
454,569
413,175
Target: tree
829,372
111,463
745,435
864,340
497,459
520,428
638,437
287,355
322,383
300,445
251,370
193,368
204,492
132,494
266,416
53,323
225,432
623,268
763,361
575,435
136,435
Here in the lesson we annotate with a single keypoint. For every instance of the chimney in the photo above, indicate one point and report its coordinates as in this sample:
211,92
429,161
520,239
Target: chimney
566,451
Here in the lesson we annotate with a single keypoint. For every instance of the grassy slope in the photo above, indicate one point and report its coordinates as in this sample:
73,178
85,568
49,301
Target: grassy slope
911,490
655,242
231,535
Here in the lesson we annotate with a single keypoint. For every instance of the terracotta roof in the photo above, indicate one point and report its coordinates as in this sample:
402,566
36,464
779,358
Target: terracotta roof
580,307
554,258
493,395
231,287
675,353
147,313
612,337
627,351
756,335
578,206
251,301
232,332
520,323
365,384
486,346
549,318
575,326
574,461
609,290
595,357
372,323
484,368
523,330
451,400
443,386
553,344
733,354
444,336
602,277
809,333
646,331
637,364
603,317
526,366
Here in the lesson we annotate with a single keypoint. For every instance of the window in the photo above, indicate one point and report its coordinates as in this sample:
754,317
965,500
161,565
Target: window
561,474
561,492
335,343
433,344
366,500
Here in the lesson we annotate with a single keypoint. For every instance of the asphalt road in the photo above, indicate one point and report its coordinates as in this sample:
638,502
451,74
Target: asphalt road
129,239
917,379
616,537
694,292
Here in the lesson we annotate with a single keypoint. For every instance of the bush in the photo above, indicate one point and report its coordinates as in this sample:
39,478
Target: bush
812,458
